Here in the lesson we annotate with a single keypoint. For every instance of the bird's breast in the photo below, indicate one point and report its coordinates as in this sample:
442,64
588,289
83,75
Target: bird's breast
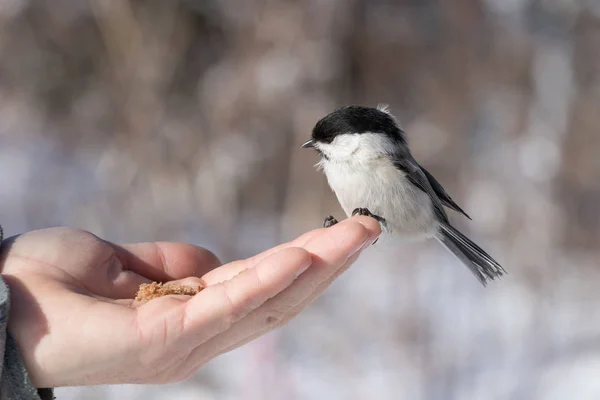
382,188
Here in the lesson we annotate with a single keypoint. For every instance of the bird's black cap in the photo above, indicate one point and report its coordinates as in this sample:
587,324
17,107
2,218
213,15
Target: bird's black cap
356,119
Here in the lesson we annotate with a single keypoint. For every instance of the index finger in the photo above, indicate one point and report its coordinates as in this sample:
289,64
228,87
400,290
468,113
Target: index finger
328,251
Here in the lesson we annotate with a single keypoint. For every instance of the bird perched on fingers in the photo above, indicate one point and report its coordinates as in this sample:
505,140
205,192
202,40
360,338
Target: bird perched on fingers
367,162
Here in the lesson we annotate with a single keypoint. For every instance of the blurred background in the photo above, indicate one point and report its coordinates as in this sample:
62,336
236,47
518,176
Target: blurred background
182,120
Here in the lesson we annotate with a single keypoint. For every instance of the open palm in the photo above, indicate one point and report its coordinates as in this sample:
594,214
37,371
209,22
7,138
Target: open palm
74,320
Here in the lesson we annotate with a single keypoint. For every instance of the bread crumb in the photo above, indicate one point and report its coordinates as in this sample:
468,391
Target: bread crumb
149,291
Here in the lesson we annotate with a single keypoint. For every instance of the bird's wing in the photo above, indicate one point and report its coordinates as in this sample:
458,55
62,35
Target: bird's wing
417,177
442,195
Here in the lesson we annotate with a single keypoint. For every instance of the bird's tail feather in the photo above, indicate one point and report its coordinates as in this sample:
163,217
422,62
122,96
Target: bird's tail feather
483,266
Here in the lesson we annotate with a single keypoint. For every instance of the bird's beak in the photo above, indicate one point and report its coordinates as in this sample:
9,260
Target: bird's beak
308,144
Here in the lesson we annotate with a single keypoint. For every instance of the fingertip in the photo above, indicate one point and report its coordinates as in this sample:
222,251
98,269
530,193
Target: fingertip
370,224
356,228
342,239
207,258
201,257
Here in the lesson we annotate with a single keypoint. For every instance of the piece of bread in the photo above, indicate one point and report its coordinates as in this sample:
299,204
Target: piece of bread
149,291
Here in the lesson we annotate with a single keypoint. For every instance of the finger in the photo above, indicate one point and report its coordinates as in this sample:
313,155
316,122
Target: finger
296,310
219,306
323,286
164,261
231,269
330,252
333,251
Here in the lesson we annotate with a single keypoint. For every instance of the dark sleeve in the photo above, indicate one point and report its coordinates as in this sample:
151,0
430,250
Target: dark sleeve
14,381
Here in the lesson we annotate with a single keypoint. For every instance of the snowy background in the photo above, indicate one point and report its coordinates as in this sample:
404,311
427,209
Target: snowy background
182,120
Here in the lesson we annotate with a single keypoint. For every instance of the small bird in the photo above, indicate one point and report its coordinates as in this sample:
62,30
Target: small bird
367,162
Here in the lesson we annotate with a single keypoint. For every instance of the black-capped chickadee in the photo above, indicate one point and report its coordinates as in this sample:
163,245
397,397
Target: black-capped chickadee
365,156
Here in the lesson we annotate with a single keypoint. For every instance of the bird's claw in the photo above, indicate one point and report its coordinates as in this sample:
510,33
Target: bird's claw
367,213
329,221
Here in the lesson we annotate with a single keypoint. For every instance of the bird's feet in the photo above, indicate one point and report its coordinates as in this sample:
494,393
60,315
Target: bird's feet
329,221
366,212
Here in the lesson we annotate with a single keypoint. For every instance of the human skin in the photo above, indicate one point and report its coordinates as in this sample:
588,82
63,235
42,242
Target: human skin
75,321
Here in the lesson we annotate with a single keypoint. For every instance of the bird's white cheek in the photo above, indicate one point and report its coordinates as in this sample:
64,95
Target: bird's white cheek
336,152
355,147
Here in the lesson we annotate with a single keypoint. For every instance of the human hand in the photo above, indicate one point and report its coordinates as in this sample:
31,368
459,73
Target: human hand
74,320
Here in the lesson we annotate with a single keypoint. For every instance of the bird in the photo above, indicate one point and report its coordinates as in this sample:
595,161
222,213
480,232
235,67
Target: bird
365,156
